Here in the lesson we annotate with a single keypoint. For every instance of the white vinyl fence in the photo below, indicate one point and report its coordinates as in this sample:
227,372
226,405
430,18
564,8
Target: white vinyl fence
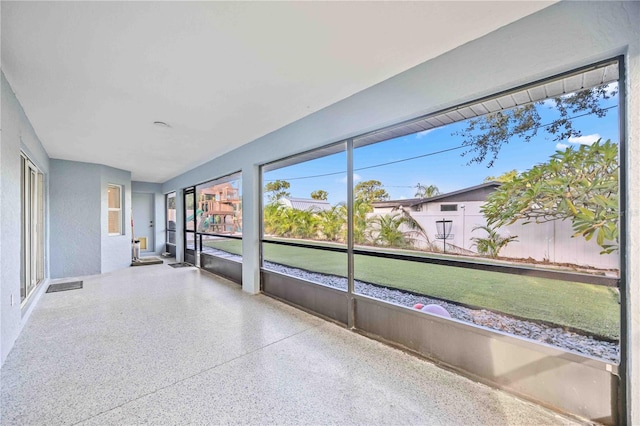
550,241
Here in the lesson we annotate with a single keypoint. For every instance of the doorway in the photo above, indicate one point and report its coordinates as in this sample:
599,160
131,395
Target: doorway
190,213
143,221
32,229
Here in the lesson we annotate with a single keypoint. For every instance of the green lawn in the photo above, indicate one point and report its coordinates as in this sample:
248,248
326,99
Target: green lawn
587,307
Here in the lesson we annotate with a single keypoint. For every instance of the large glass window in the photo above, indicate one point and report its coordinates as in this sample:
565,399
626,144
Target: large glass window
218,216
526,183
503,213
305,216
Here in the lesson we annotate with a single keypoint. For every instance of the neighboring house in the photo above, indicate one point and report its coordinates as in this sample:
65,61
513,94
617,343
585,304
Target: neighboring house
550,241
219,208
308,204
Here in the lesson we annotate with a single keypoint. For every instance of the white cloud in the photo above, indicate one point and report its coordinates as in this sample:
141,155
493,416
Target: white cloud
585,140
561,146
424,133
612,88
356,178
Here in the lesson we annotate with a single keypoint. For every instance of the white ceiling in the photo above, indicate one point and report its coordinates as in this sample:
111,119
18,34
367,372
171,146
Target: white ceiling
93,76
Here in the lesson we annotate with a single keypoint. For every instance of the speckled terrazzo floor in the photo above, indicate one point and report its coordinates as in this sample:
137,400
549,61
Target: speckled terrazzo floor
159,345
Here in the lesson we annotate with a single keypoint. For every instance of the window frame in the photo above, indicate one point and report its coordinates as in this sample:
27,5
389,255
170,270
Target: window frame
173,195
115,209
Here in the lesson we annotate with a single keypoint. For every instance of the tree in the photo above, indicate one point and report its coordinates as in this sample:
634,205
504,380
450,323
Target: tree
270,219
416,230
387,231
492,243
576,184
505,177
320,194
370,191
361,209
276,190
305,223
333,221
171,203
484,136
426,191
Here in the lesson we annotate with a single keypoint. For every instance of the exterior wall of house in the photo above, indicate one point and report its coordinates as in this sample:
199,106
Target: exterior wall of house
631,237
463,222
116,249
17,135
75,219
80,242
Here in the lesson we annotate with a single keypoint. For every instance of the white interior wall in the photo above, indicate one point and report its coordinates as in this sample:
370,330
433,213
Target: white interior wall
560,38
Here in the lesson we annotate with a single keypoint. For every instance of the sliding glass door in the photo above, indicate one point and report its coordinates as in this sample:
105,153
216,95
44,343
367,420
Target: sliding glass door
189,226
32,221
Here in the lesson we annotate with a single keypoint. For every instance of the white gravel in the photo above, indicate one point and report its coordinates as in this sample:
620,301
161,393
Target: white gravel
556,336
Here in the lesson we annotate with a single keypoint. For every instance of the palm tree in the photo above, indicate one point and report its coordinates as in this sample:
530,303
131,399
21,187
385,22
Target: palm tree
284,225
388,232
426,191
493,243
416,230
305,224
271,218
360,221
333,221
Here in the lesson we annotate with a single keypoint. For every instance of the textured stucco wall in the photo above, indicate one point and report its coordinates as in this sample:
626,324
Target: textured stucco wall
1,280
75,218
80,244
116,250
17,135
559,38
633,212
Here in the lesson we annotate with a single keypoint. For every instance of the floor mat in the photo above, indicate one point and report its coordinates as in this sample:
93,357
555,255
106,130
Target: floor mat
73,285
180,265
143,261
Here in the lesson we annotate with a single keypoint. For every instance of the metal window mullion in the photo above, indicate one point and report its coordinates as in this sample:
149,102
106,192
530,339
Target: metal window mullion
350,261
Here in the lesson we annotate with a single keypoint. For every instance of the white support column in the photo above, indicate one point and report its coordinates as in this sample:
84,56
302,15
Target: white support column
633,226
251,229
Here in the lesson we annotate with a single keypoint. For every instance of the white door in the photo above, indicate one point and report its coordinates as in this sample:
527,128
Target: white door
143,225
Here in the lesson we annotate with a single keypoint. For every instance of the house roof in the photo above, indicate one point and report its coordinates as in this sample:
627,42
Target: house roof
307,204
472,193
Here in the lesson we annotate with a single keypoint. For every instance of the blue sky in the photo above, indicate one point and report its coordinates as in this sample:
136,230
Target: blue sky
448,171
